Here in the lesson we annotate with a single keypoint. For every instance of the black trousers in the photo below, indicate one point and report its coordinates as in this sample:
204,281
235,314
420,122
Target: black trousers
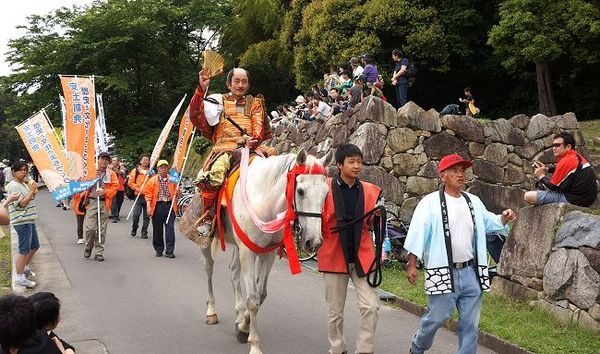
80,219
117,203
140,209
159,220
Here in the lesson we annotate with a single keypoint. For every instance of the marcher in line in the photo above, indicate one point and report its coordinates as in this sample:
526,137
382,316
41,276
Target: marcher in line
23,214
135,181
79,211
214,121
349,253
99,197
119,170
447,231
159,197
573,178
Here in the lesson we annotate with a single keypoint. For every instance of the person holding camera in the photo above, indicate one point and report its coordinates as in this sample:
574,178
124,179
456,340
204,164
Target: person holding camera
23,214
573,178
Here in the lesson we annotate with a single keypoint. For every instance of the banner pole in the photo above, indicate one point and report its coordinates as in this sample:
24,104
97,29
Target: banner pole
53,130
141,189
182,169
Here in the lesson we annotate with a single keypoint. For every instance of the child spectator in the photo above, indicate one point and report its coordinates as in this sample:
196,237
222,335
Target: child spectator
47,316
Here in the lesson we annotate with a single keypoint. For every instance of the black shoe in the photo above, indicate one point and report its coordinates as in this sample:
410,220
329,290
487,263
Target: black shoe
159,254
87,253
133,232
99,258
170,255
115,221
144,235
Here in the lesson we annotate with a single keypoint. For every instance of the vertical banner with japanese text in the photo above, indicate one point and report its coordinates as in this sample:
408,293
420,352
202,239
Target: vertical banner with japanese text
80,124
101,143
164,134
45,150
185,131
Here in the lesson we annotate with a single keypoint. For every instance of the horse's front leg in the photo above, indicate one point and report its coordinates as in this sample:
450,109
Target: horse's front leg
263,263
235,268
211,314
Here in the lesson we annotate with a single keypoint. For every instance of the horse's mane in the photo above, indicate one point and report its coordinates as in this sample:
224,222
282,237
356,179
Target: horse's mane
280,165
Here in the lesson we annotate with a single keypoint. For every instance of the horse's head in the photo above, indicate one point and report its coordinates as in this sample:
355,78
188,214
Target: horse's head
309,197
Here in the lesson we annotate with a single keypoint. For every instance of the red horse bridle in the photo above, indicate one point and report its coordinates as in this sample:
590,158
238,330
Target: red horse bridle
291,218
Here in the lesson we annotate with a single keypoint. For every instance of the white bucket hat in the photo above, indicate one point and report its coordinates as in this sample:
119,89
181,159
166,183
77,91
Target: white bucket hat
213,107
300,99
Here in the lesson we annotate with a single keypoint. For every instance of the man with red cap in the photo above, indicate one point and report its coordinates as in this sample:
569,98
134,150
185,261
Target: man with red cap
447,232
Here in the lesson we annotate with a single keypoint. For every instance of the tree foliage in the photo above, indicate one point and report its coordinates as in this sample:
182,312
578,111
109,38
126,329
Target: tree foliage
562,36
144,52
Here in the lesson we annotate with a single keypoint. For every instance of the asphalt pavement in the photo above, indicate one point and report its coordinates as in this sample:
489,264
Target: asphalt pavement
135,302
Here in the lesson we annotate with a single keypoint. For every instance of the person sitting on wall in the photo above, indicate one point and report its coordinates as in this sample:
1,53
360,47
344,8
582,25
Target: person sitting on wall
573,178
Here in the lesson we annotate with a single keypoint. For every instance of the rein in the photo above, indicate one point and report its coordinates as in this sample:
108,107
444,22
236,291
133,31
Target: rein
374,274
287,220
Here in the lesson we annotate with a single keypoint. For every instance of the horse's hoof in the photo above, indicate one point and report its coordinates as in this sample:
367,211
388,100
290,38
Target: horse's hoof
241,336
212,319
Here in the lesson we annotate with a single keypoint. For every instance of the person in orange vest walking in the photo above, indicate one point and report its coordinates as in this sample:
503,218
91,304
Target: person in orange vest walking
159,194
349,253
99,197
79,211
135,182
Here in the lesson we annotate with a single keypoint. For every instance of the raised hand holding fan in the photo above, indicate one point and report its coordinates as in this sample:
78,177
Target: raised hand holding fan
212,63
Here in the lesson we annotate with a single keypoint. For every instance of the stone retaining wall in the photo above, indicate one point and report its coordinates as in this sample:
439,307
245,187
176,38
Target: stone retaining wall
552,255
402,149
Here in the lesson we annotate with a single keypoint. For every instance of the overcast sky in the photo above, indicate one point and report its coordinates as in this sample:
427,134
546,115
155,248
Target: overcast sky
15,12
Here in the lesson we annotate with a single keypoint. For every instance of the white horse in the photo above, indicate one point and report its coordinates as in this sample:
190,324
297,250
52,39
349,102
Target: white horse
266,190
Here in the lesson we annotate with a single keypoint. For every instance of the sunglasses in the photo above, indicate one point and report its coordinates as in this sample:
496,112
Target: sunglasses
556,145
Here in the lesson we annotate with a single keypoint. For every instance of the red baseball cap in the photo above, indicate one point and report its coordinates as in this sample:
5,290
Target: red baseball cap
452,160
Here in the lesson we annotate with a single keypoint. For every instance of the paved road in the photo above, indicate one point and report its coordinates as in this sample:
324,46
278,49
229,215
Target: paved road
137,303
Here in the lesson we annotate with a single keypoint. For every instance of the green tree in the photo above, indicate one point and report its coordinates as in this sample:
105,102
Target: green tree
333,31
145,53
549,35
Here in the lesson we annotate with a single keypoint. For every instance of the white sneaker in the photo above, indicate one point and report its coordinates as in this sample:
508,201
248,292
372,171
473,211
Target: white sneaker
80,241
26,283
29,273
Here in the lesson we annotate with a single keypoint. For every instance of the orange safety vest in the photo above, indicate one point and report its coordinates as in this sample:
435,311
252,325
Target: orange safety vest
331,257
151,193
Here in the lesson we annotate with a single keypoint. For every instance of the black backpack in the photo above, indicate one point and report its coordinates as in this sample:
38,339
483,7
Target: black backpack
411,70
129,192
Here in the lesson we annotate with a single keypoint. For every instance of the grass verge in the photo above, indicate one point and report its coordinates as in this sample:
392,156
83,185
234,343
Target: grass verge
513,321
5,260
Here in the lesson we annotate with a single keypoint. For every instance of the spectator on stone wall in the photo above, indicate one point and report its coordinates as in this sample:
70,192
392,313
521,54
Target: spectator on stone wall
357,69
320,110
573,178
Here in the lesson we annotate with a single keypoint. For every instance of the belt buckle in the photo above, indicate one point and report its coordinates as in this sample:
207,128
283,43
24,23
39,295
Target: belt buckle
461,265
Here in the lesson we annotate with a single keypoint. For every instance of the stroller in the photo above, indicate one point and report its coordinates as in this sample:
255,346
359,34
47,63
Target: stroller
393,244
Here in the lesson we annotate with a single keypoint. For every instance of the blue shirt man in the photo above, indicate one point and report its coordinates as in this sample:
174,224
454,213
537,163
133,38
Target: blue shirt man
447,232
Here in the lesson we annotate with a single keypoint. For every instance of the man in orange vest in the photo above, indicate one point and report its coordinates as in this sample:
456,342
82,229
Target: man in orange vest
99,197
349,253
135,181
228,120
159,194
